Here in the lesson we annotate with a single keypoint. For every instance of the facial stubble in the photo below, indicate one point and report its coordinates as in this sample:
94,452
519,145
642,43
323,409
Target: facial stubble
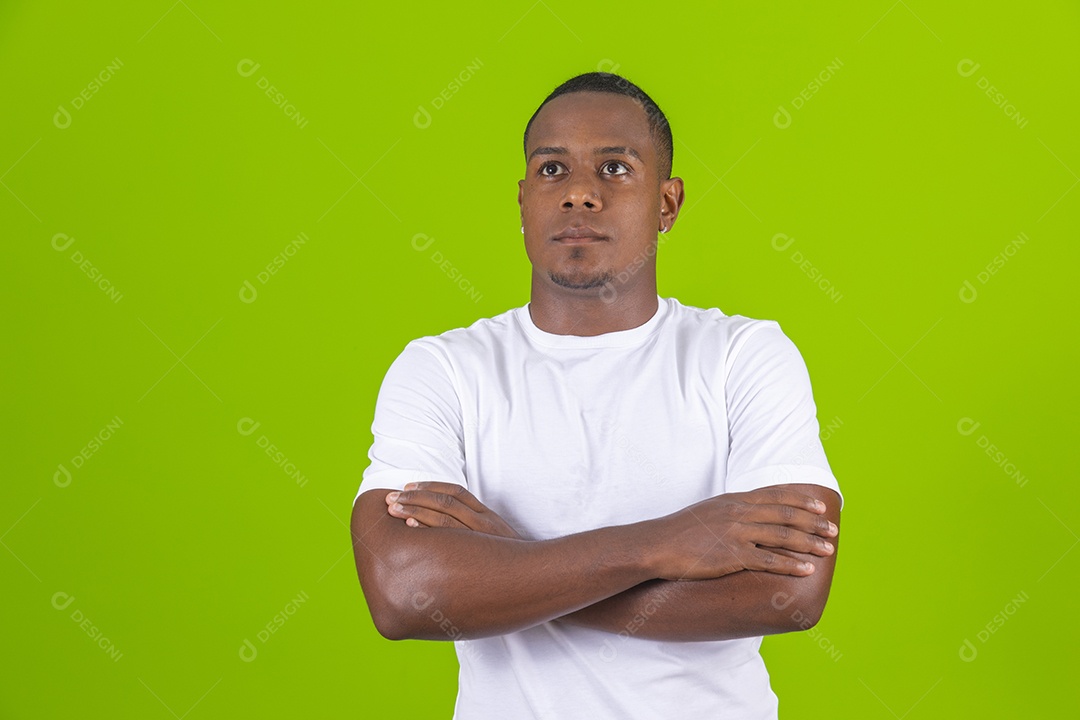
581,279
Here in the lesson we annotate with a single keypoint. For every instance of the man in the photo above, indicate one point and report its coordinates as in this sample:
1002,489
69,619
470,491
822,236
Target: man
604,497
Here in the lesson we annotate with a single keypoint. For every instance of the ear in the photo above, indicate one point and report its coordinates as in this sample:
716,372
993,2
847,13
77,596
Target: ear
671,199
521,197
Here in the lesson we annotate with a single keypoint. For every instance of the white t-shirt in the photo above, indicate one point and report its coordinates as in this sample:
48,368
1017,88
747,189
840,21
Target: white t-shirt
563,433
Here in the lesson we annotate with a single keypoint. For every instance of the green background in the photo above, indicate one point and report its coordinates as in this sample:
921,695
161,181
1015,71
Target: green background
179,180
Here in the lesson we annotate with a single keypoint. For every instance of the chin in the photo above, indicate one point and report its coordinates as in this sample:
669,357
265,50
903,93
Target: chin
582,280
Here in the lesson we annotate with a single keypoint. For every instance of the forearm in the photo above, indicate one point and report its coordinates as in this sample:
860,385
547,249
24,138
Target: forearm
747,603
456,583
743,604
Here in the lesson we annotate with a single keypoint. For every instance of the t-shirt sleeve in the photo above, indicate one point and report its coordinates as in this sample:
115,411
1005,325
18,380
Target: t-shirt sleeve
417,426
772,418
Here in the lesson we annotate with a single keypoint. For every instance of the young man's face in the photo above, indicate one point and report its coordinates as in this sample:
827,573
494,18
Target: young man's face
591,162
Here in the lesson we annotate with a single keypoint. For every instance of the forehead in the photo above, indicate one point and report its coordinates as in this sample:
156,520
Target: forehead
589,119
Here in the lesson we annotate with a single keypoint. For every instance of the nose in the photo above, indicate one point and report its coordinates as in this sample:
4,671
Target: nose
581,192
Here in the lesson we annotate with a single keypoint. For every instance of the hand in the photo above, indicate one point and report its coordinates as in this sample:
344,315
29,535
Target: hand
739,531
440,504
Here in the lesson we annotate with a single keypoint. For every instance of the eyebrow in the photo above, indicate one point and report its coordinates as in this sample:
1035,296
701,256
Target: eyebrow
609,150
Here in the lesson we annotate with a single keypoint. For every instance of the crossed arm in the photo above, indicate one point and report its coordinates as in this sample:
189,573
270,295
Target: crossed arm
441,565
746,603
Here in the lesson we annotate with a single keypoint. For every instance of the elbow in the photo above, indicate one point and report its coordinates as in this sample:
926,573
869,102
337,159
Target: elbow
398,608
391,613
390,627
798,611
393,619
387,579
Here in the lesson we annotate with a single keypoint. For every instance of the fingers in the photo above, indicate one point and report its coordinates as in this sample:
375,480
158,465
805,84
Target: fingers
762,559
782,536
439,504
459,492
423,517
774,495
791,516
788,527
434,507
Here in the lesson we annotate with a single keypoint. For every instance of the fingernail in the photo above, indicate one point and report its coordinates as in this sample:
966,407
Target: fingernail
397,507
833,529
828,547
392,496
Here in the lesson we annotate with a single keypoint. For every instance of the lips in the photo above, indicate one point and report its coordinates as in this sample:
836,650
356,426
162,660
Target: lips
579,234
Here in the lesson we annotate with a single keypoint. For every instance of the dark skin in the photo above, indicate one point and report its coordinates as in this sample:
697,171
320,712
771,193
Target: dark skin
744,603
620,194
755,557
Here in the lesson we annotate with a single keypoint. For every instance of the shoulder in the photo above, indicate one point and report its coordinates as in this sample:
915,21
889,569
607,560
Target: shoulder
724,335
449,347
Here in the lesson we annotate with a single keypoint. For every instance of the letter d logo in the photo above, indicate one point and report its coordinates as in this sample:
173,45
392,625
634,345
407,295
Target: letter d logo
422,238
246,426
782,118
608,293
61,600
966,426
967,67
62,118
248,652
781,237
62,237
781,600
968,293
247,67
422,118
62,477
248,293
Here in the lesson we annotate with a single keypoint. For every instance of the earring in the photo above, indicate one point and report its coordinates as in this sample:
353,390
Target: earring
522,229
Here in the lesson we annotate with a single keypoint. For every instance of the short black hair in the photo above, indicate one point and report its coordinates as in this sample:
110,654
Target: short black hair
659,128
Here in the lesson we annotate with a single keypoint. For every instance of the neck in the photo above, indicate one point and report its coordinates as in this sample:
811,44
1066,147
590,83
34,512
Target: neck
562,311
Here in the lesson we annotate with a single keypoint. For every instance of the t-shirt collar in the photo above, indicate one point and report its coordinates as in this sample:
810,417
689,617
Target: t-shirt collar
618,338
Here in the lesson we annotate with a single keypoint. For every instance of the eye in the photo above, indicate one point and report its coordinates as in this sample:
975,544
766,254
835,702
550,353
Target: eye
617,164
545,166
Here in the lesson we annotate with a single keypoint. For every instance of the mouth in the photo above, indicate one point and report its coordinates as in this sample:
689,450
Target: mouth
580,240
579,235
